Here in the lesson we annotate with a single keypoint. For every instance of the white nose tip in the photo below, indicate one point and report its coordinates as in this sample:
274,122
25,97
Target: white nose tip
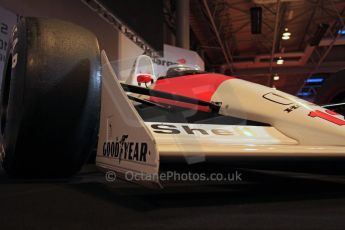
301,120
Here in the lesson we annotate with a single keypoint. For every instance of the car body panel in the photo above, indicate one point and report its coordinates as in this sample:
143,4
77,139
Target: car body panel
296,130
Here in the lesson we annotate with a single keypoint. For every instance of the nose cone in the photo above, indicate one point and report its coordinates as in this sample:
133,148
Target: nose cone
301,120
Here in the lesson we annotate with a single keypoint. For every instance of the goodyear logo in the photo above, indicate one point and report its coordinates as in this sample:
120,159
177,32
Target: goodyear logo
122,149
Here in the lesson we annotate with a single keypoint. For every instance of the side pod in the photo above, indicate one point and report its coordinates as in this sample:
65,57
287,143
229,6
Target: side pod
125,144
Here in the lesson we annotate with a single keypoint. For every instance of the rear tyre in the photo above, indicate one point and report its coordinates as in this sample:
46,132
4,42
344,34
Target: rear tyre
50,99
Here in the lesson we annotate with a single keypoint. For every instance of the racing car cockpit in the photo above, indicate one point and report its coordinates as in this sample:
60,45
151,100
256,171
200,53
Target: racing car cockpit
142,72
181,70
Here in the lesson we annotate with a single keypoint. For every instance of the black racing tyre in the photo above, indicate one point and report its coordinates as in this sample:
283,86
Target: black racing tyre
50,99
333,92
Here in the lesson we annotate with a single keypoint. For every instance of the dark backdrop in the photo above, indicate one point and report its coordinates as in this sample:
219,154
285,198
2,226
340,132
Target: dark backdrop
145,17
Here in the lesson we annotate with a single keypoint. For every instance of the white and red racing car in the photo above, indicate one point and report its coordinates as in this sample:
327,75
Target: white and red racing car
56,86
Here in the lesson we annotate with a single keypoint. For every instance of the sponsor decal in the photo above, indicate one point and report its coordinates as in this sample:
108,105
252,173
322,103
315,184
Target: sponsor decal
166,63
281,100
328,115
123,149
185,129
291,108
274,97
163,62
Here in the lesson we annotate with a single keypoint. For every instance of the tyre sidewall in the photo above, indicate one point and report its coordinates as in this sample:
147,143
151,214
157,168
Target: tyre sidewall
16,60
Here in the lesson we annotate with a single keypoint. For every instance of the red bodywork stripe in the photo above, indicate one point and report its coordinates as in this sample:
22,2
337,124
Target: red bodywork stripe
198,86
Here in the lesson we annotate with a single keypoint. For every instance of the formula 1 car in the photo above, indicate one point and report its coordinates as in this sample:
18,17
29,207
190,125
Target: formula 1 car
56,86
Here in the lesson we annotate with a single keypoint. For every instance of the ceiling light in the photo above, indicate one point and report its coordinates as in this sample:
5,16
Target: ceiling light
341,32
280,61
314,80
286,35
276,77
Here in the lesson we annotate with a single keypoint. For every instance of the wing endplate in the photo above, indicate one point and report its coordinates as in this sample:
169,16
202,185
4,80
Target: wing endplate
125,144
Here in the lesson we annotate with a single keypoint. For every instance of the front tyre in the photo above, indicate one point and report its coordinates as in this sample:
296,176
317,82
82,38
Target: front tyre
50,99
